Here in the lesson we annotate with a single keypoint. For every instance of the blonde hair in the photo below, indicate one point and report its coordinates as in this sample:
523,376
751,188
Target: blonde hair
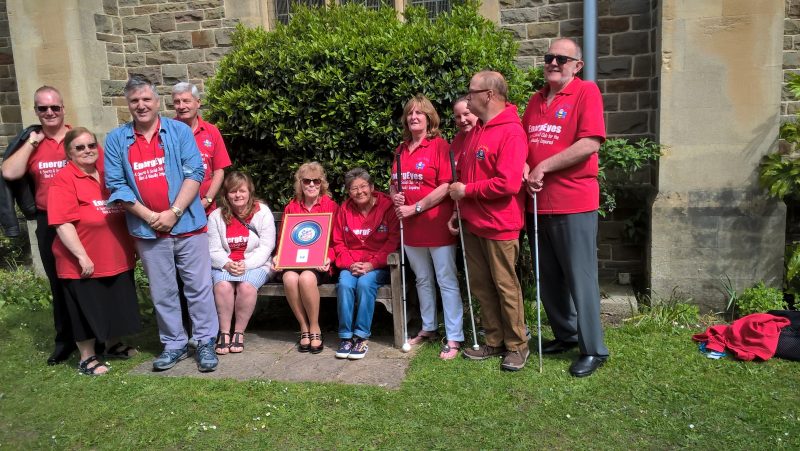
424,105
305,168
74,134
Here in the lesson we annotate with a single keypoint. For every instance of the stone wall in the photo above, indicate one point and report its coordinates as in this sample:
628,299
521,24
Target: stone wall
166,41
10,114
791,56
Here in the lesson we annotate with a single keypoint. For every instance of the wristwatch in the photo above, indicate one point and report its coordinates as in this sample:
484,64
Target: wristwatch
178,212
33,142
418,208
210,200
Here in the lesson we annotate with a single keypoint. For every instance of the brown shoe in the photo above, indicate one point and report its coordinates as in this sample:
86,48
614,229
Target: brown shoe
515,360
483,352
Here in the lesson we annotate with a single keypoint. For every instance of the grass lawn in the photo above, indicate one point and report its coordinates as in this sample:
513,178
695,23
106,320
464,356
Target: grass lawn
656,392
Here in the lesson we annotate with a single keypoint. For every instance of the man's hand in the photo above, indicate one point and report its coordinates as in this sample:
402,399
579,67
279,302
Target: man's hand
405,211
164,221
204,202
37,136
535,180
457,190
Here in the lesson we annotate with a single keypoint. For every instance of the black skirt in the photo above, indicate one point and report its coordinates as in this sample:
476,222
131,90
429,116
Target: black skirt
103,307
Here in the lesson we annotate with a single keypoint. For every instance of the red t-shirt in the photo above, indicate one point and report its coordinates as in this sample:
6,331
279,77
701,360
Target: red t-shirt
424,169
80,199
214,154
44,163
237,235
147,161
576,112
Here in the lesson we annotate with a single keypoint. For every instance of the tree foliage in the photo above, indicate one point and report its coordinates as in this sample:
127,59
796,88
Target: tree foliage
330,86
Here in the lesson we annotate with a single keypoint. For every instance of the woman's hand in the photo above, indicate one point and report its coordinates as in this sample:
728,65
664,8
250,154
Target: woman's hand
326,266
276,263
360,268
452,224
87,266
234,268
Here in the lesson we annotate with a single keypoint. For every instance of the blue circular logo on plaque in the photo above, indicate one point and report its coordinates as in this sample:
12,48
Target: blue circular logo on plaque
306,233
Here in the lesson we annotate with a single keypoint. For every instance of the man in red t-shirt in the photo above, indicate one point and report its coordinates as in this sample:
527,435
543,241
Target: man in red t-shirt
41,157
186,101
488,190
565,128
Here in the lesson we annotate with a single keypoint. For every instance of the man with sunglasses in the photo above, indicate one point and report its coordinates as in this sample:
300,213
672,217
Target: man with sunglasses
565,128
40,157
153,167
489,174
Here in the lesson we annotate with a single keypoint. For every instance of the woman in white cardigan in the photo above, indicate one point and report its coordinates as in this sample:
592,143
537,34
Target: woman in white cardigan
241,236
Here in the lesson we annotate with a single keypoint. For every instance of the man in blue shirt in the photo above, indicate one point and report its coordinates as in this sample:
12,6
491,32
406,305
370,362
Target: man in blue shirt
153,166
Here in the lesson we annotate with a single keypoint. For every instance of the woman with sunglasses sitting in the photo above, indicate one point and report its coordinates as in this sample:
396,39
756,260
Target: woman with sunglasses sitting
94,255
241,237
302,286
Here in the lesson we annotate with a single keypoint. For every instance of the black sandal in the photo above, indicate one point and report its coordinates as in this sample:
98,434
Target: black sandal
223,344
84,367
237,341
315,349
300,346
119,351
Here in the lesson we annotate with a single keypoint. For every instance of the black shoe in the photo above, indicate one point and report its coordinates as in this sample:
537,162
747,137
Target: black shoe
61,353
557,346
586,365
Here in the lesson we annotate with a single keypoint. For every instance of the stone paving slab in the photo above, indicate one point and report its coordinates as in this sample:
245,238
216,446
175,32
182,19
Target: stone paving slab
273,355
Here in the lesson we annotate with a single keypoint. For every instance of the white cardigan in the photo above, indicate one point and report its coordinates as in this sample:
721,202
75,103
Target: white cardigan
259,248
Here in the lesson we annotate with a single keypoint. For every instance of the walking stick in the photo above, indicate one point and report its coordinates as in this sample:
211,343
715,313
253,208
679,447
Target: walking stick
536,266
406,346
464,255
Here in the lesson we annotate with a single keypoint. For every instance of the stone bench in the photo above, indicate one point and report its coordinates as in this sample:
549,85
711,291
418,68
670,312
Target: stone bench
388,295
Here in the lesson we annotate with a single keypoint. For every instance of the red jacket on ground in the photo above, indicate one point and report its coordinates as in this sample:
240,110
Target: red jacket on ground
370,238
491,166
748,338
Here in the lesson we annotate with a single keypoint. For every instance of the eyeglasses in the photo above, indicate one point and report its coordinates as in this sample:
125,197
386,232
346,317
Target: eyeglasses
317,182
44,108
476,91
82,147
355,189
560,59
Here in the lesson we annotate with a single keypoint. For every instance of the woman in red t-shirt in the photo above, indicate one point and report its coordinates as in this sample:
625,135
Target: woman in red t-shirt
301,285
425,208
94,254
241,237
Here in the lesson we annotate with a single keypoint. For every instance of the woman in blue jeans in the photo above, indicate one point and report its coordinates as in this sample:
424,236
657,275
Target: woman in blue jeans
365,231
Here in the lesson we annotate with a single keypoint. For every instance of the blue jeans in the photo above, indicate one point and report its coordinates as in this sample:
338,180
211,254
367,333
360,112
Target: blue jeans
356,294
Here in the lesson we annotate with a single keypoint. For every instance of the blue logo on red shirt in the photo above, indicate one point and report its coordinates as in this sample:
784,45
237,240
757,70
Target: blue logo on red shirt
561,113
420,166
383,228
480,154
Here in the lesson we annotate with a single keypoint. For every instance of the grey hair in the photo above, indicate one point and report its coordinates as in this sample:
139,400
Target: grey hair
136,83
356,173
183,86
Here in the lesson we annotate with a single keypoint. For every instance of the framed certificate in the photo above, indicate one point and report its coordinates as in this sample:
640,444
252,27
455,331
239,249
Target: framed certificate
304,240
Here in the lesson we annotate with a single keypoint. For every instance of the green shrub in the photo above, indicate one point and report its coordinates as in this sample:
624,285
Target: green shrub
791,281
759,299
21,286
618,160
330,86
677,311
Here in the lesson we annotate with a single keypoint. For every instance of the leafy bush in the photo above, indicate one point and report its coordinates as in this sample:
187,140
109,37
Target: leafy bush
330,86
759,299
676,311
21,286
791,281
622,159
14,251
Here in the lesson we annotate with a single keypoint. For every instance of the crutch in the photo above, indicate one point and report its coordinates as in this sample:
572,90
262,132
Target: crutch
406,346
536,270
464,254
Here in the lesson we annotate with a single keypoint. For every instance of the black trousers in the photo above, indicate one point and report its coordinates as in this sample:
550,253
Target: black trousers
45,235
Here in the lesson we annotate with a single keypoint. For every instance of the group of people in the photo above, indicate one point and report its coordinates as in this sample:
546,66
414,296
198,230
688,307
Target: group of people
158,190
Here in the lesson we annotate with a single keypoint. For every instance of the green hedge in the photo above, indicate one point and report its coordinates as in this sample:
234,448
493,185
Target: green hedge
330,86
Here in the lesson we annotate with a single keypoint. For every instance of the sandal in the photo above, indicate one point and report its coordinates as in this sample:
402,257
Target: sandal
422,337
449,351
120,351
223,343
84,368
315,349
300,346
237,342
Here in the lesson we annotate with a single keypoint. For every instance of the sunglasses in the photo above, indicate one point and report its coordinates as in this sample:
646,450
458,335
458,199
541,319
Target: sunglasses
310,181
82,147
44,108
560,59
